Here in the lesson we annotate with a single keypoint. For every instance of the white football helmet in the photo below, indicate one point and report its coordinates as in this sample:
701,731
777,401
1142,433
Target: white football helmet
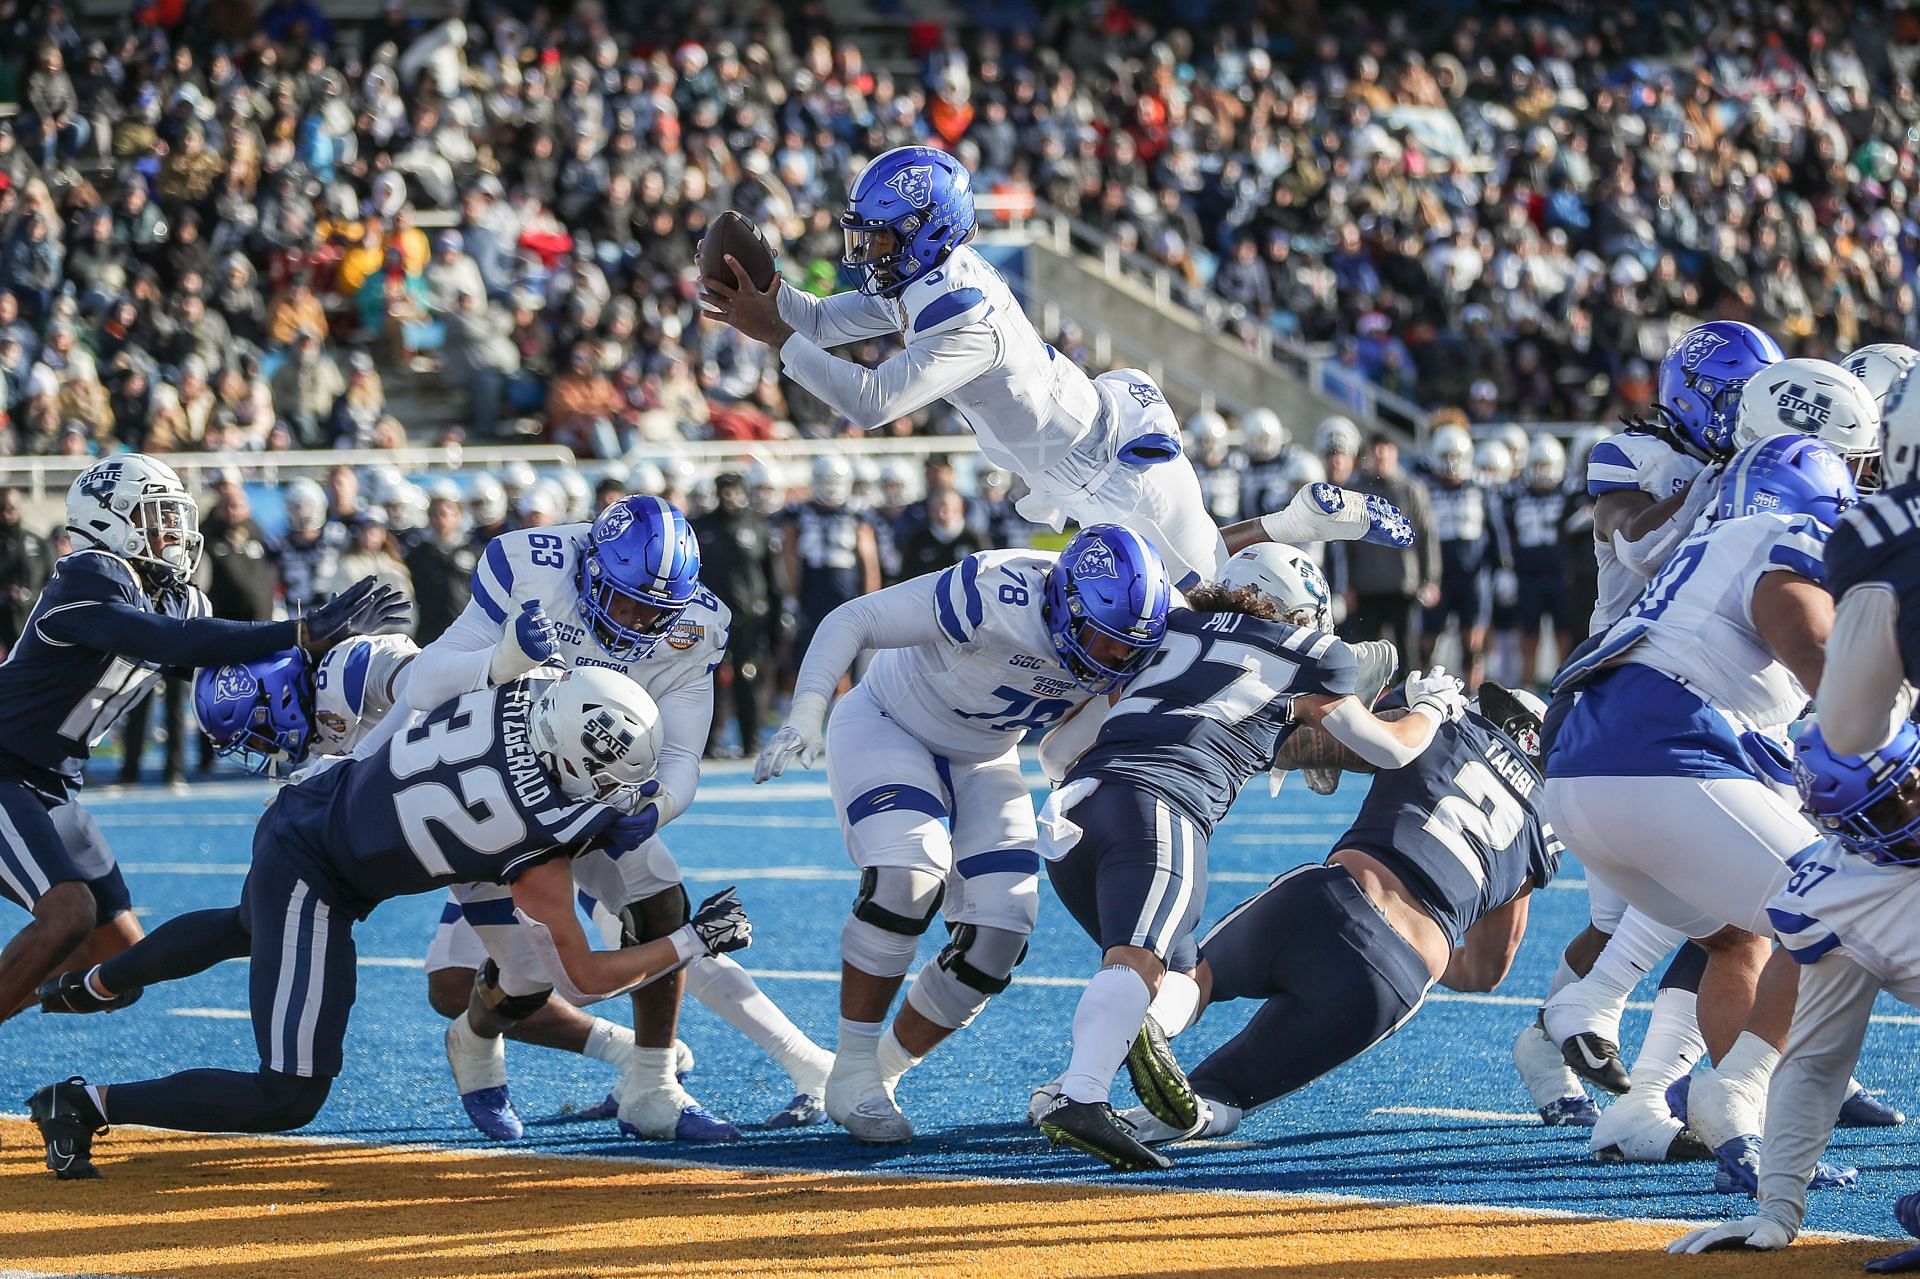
518,477
135,506
1262,435
832,480
1517,438
599,735
1900,432
1287,576
487,501
1879,365
1818,398
306,504
896,482
407,508
1493,462
1207,437
579,496
646,478
383,485
1546,462
765,489
1450,454
1337,435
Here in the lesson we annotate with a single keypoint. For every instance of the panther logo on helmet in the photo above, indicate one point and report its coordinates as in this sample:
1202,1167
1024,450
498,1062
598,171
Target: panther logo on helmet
604,739
234,684
1096,561
614,521
914,184
1145,394
1698,347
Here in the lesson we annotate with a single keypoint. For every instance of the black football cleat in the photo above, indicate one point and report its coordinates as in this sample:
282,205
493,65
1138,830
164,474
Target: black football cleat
68,993
1162,1085
68,1122
1092,1128
1596,1059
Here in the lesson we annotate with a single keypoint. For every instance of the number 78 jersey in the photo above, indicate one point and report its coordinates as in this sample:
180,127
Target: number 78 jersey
1213,706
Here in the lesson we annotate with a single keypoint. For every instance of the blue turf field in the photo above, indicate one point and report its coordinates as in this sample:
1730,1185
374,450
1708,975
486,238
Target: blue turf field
1435,1114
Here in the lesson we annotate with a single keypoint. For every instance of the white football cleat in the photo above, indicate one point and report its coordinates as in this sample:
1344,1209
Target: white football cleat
1555,1089
1720,1110
860,1103
1639,1129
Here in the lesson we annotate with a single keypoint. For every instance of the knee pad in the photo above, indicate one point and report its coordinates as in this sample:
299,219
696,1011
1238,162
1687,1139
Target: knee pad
894,908
654,917
976,964
297,1099
486,988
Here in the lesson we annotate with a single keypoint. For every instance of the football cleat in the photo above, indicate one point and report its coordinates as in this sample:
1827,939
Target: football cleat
1637,1130
1677,1093
804,1111
1738,1170
1906,1211
1041,1098
864,1106
68,1122
1162,1085
607,1107
1570,1112
1152,1131
1092,1128
1596,1059
1555,1090
492,1112
1862,1110
68,993
682,1061
670,1114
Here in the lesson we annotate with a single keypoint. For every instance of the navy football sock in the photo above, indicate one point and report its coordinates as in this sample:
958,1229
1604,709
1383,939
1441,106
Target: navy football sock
184,945
219,1101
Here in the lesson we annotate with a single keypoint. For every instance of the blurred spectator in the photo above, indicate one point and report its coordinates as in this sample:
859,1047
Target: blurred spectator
23,568
738,563
480,356
1386,587
441,565
306,388
359,406
370,551
943,541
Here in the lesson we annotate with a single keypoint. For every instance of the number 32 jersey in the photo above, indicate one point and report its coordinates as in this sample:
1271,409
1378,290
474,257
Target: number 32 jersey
458,797
1213,706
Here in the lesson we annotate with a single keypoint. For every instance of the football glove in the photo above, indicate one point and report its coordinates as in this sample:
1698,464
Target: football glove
1763,1234
801,738
721,924
365,608
529,642
628,832
1437,691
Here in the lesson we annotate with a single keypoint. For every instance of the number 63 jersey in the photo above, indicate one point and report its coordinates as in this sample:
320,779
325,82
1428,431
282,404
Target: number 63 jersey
458,797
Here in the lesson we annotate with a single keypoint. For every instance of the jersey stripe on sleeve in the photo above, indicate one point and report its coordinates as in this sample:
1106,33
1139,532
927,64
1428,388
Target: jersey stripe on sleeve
493,582
1610,470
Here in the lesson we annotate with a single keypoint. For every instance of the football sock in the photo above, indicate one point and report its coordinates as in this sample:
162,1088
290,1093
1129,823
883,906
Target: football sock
1177,1006
1595,1002
607,1041
860,1042
651,1069
1563,977
1672,1044
1112,1009
184,945
894,1059
729,990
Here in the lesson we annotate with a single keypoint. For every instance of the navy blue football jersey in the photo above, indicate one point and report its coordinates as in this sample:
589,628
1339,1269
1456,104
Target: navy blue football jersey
1533,528
459,797
1461,525
1460,825
60,696
1879,541
1213,706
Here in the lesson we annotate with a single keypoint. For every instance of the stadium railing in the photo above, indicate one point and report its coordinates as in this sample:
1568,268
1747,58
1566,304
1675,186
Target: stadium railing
41,477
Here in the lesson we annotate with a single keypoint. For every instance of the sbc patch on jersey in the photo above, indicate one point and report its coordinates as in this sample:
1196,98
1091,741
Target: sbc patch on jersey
234,684
685,635
614,521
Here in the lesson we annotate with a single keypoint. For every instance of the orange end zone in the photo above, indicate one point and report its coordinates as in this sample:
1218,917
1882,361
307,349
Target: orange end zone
234,1207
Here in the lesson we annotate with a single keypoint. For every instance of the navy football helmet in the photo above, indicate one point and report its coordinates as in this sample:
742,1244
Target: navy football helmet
908,210
1872,801
1106,606
258,712
641,559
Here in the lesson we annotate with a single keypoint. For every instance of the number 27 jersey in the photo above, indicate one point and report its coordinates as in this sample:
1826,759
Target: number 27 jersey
1213,706
459,797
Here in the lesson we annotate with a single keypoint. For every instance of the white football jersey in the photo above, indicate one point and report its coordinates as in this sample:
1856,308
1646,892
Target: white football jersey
1028,405
1630,462
1837,900
542,564
1694,622
994,676
356,685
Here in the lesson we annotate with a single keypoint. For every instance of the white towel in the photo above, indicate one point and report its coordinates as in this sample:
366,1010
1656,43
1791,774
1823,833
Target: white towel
1058,835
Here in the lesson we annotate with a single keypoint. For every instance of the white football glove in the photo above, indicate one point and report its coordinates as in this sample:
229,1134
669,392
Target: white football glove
801,738
1506,587
1763,1234
1437,691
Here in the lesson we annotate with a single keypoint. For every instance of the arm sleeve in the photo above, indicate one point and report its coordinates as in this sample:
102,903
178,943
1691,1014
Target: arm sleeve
686,712
901,616
1864,696
1829,1022
838,320
913,378
111,626
455,663
1355,727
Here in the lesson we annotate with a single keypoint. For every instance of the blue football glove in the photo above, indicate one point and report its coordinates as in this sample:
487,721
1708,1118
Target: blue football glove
530,641
628,832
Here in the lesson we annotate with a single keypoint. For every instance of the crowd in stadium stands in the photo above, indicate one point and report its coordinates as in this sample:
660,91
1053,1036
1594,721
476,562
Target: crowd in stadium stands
236,231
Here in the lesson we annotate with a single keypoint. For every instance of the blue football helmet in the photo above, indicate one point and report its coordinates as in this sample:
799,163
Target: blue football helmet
909,209
1786,475
1700,379
1108,584
258,712
640,555
1872,801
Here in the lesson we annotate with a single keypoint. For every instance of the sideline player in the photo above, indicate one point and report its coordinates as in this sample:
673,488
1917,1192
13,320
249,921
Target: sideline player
1430,884
1246,662
550,762
1100,450
118,609
923,761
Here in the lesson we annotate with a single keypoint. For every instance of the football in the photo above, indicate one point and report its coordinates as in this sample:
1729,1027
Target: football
733,234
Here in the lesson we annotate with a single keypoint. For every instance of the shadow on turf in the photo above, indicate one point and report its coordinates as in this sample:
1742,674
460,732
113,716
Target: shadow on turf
223,1207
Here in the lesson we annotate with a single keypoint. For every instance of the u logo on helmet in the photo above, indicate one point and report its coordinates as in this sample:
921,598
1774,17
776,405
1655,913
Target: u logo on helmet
234,684
614,521
99,482
606,740
1096,561
1804,411
914,184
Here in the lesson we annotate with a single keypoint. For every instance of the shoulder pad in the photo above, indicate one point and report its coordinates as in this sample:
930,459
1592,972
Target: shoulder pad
527,565
1795,544
949,297
96,575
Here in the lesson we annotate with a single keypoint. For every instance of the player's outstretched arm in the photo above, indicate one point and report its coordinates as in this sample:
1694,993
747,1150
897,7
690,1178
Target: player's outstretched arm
1434,699
1325,513
1864,696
